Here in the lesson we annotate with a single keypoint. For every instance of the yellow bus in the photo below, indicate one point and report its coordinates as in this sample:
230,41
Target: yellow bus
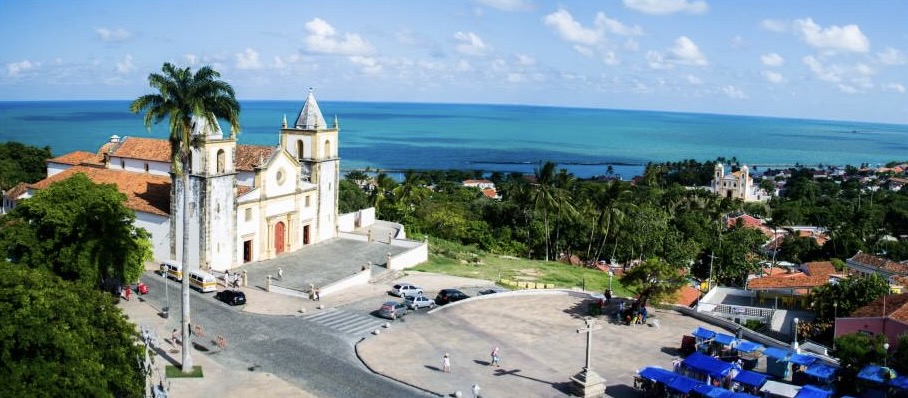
202,281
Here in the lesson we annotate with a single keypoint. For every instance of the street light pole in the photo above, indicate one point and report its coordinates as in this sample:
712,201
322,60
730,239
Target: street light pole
610,273
794,345
885,354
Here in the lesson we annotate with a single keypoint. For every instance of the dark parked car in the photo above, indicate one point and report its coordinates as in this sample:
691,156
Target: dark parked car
232,297
449,296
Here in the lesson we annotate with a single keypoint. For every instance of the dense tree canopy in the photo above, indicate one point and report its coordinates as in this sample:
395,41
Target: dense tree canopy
22,163
78,230
64,339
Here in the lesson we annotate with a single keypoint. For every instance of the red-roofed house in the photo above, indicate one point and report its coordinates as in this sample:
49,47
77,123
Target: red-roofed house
887,315
865,264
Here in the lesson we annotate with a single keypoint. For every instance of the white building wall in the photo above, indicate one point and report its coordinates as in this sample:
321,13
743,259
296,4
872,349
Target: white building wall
158,228
222,223
138,166
327,200
56,168
245,178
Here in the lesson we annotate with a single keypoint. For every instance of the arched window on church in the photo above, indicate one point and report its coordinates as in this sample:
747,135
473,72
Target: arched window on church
222,159
299,150
327,149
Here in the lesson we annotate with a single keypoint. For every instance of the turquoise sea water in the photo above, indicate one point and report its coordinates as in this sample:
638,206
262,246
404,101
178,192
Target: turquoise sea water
400,136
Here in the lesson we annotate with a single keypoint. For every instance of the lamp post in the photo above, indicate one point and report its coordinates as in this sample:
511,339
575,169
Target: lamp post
885,354
794,345
835,308
610,273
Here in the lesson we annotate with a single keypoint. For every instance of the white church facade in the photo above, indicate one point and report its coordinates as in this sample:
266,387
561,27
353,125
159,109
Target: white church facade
737,185
247,202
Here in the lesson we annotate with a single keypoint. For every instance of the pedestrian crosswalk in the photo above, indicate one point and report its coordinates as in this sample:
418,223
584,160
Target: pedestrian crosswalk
347,322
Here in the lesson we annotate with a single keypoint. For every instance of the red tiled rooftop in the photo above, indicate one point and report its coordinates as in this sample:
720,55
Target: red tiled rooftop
76,158
154,149
819,268
248,157
880,262
894,306
17,190
144,192
788,281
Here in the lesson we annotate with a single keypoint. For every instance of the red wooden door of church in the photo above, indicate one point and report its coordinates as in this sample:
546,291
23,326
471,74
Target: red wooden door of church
279,238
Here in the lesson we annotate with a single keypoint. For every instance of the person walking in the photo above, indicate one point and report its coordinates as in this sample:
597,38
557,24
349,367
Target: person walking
280,273
446,363
317,294
496,358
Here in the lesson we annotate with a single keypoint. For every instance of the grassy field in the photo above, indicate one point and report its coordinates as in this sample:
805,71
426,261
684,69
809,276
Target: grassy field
452,259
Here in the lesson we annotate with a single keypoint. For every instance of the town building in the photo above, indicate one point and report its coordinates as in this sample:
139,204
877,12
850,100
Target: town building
737,185
247,202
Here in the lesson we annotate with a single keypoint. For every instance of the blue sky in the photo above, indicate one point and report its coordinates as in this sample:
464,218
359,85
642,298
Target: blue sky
841,60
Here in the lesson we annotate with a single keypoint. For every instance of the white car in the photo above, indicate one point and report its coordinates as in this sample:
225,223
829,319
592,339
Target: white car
417,302
406,290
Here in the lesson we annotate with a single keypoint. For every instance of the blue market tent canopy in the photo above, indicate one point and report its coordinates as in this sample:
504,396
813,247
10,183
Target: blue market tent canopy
724,339
876,374
800,359
702,333
740,395
810,391
821,371
658,374
748,346
777,353
900,382
707,365
712,392
749,378
683,385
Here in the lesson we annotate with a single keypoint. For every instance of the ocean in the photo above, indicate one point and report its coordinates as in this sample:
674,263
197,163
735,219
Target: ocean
508,138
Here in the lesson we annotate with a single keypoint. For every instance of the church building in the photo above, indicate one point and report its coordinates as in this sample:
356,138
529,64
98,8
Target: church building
246,202
737,185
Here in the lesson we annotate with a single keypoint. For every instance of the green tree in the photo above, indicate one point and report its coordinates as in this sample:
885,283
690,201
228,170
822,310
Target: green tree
64,339
79,230
22,163
653,280
842,298
350,197
855,351
191,102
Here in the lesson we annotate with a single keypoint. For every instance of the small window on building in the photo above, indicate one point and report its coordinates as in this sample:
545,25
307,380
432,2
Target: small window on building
248,214
122,164
307,200
146,167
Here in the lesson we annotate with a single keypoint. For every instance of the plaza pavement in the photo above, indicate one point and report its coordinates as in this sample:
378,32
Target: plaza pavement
535,330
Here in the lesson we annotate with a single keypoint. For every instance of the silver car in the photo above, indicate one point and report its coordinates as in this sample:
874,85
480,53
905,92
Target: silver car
404,289
393,309
420,301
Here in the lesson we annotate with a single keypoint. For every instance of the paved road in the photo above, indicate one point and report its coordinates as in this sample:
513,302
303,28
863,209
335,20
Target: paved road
302,351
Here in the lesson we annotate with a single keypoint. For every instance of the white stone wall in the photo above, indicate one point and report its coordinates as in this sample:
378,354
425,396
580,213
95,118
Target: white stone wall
159,229
410,258
138,166
56,168
222,224
327,200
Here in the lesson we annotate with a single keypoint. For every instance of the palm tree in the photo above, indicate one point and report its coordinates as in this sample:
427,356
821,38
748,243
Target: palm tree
190,101
544,198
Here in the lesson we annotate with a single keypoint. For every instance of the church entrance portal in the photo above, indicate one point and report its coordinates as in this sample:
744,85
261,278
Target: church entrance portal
305,234
247,251
279,238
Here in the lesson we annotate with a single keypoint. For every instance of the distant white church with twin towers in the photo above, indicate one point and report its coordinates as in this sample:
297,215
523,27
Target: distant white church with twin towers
250,202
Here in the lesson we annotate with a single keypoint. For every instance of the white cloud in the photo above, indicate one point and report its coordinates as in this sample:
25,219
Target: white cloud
507,5
686,52
583,50
515,77
14,69
892,57
191,59
821,71
772,59
610,58
323,39
773,76
615,26
657,61
661,7
126,65
847,38
470,44
774,25
570,30
631,45
113,35
463,66
248,59
847,89
897,87
368,65
281,63
525,60
733,92
693,80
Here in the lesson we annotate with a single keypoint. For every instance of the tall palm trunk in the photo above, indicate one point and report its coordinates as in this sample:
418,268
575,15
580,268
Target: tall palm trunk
186,340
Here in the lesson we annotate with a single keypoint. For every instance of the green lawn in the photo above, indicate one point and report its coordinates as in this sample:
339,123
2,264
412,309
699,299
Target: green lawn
452,259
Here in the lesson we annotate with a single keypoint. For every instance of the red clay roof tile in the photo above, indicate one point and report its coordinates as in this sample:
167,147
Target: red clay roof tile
144,192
